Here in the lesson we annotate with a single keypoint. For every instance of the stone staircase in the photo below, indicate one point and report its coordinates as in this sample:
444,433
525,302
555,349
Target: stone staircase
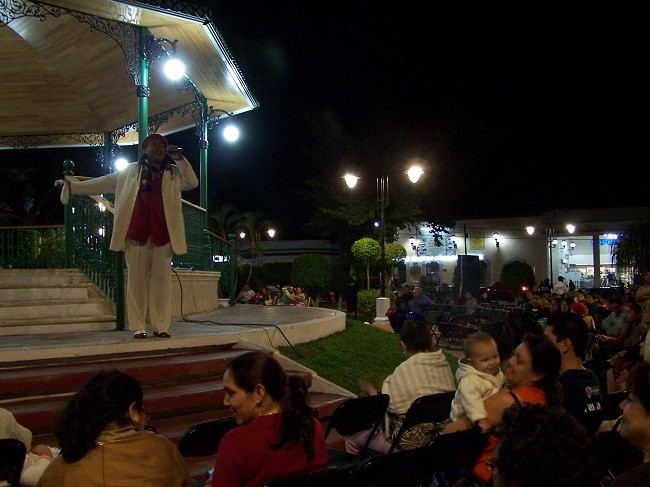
181,387
43,301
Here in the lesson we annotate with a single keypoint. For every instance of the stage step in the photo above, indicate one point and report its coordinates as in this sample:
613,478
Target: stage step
44,301
181,388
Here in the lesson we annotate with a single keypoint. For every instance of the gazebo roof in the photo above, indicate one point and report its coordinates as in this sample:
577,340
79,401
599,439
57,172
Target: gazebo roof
69,70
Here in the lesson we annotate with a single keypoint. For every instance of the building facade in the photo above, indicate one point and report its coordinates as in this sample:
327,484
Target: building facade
575,244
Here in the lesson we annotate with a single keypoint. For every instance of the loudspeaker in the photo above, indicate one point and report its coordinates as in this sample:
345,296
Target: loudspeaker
470,274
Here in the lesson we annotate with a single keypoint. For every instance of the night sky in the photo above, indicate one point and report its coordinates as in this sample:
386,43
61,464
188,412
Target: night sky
517,107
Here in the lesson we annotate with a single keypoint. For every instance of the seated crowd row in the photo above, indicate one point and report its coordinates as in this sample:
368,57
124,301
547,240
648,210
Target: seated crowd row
289,296
540,418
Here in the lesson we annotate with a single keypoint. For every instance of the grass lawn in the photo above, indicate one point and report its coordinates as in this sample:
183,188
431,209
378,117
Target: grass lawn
359,352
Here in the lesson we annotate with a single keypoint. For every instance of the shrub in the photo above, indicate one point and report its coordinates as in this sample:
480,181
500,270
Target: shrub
367,300
311,272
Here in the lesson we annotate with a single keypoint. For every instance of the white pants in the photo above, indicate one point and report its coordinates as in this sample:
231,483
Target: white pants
149,285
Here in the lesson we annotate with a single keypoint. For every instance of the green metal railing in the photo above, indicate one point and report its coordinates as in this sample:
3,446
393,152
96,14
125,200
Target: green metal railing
34,247
83,242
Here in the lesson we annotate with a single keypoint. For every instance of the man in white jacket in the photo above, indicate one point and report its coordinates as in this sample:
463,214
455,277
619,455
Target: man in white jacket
148,226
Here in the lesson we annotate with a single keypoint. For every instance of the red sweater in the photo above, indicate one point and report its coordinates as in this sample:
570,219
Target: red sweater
148,219
245,456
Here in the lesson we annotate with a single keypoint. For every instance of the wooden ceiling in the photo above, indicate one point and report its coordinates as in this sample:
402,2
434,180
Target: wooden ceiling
65,84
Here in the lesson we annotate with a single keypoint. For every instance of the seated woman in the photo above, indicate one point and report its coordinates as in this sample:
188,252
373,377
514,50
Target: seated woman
422,373
543,446
279,435
103,441
263,297
631,354
246,295
635,426
532,377
299,298
37,459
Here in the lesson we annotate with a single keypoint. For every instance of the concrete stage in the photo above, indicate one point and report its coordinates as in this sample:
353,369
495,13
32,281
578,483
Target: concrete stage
261,325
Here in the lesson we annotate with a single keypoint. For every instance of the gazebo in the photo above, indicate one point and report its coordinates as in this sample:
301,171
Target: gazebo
79,73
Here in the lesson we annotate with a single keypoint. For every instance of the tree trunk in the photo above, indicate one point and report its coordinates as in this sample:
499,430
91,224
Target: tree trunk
368,274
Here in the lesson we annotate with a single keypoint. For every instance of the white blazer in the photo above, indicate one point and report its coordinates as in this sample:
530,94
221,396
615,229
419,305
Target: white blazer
125,185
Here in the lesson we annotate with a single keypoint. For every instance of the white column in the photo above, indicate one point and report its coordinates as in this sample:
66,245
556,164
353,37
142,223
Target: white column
382,307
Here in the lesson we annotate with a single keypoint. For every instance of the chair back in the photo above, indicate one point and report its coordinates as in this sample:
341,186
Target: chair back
409,468
203,439
342,477
433,408
456,451
358,414
12,459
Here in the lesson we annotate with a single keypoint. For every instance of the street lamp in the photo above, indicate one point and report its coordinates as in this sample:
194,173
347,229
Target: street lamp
414,173
271,232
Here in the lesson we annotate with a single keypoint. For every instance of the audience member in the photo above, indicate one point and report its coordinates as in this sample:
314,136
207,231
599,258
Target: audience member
38,457
642,297
246,295
278,434
561,286
422,373
299,298
287,296
631,352
635,425
417,305
471,303
580,309
532,377
592,303
401,308
544,446
264,297
545,286
612,328
103,441
478,377
581,388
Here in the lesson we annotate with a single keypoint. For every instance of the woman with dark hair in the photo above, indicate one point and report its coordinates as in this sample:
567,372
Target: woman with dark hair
278,435
635,425
543,446
103,441
532,377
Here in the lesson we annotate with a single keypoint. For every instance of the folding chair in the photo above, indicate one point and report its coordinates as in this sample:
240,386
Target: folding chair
451,453
351,416
433,408
409,468
12,458
343,477
203,439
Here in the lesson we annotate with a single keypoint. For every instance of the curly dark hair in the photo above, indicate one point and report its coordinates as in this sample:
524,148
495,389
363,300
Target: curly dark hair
543,445
106,398
290,391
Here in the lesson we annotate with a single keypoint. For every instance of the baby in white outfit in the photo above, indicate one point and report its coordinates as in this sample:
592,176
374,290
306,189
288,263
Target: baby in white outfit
478,377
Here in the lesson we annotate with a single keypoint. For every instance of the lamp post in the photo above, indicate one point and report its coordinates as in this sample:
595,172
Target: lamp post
414,173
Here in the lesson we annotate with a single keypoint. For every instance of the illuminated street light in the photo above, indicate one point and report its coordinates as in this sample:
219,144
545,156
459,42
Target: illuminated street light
242,235
351,180
414,173
530,230
271,232
571,228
